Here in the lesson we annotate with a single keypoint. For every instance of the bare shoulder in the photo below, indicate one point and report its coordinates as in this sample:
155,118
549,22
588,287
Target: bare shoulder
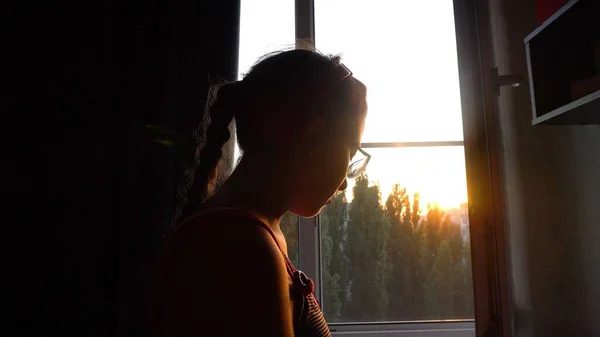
242,239
229,274
230,253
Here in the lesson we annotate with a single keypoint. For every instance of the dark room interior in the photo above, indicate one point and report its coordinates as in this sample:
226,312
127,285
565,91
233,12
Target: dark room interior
102,100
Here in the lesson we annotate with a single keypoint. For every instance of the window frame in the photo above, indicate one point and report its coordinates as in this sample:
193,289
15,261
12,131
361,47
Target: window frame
478,88
447,328
484,184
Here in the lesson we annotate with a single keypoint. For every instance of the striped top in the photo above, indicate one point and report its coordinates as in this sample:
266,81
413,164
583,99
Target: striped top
308,320
308,317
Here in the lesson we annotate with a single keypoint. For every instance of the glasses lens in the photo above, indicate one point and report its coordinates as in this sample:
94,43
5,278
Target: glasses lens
357,167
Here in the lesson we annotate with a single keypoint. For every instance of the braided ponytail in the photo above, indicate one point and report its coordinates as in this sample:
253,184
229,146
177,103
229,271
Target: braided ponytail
222,104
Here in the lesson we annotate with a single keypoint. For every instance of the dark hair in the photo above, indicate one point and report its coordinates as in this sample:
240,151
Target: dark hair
282,90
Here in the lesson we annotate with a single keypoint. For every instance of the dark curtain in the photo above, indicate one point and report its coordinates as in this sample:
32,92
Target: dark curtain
89,188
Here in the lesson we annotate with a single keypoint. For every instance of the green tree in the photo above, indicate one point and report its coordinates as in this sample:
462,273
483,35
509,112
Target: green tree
431,235
418,268
442,284
422,275
390,262
331,288
447,290
461,278
433,230
464,306
416,210
401,240
333,262
289,227
367,231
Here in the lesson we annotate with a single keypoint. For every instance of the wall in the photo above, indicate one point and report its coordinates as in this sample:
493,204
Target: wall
552,197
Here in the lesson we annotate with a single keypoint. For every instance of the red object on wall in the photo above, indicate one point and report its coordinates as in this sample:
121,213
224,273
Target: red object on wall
545,8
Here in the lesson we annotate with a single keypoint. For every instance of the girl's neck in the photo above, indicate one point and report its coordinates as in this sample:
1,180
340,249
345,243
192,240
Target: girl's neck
253,187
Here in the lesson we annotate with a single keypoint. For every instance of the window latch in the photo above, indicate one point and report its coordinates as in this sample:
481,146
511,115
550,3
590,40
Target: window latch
504,80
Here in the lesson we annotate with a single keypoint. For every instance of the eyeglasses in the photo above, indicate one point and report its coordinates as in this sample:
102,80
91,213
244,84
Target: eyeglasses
347,71
358,164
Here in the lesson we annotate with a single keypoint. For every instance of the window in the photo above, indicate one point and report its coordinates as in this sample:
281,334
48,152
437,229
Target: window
389,252
393,248
392,254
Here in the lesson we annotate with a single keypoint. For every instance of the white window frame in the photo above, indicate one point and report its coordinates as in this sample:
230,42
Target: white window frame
452,328
309,240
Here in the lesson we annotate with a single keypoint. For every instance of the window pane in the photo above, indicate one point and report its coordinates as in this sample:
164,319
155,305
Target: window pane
405,52
395,246
289,227
265,26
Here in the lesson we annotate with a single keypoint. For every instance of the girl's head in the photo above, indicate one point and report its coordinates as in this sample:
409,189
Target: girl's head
300,114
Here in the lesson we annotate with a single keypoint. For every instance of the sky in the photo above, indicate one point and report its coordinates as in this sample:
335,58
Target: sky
405,53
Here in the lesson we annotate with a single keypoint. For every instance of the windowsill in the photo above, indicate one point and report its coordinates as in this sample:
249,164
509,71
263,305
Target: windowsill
453,328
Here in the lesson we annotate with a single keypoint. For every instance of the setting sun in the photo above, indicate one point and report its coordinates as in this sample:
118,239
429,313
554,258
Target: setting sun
436,173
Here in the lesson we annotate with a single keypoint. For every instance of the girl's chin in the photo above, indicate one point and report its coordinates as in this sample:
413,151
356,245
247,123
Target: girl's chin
313,212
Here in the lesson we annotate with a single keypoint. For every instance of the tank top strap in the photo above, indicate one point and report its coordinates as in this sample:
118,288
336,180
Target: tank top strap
218,216
302,283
